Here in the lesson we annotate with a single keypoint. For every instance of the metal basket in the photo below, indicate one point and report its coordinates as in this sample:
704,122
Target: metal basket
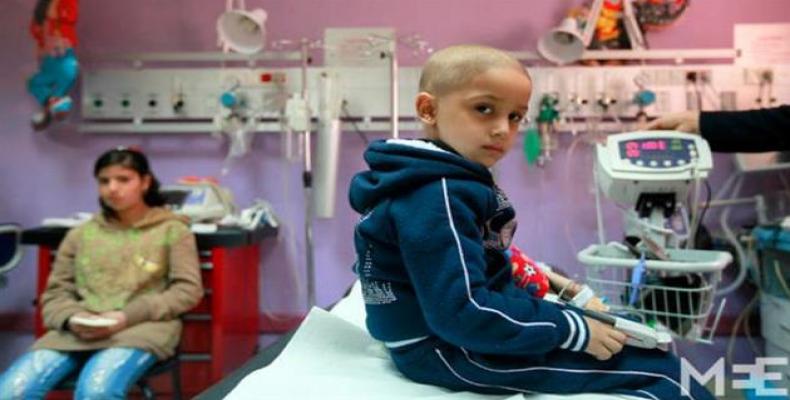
675,295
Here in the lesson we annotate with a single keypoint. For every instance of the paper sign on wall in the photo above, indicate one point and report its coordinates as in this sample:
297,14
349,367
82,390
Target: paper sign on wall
762,44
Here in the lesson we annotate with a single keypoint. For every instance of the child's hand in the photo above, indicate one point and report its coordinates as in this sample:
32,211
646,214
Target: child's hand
605,341
596,304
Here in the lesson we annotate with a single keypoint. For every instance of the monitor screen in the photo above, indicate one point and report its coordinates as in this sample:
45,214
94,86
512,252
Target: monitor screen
175,198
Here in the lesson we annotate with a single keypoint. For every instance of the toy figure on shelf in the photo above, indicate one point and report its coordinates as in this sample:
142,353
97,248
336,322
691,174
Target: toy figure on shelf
601,25
658,14
54,29
610,32
608,25
609,28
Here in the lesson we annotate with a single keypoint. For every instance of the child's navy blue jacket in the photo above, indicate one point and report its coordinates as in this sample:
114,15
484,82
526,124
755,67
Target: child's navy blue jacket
430,248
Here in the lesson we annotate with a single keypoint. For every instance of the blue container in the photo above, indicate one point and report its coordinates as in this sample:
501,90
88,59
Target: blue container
773,244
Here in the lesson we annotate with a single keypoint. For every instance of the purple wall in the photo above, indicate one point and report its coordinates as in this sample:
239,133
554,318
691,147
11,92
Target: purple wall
48,174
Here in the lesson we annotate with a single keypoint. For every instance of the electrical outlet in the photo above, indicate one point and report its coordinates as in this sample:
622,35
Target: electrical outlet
152,106
93,105
757,76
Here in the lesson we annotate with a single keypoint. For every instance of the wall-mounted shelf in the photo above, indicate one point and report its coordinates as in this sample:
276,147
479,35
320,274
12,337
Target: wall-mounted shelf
677,56
181,128
165,93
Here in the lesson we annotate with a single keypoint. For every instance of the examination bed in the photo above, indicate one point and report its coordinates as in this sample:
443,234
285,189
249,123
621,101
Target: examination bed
331,356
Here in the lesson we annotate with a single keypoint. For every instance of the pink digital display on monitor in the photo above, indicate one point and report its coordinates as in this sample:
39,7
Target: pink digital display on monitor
634,149
654,145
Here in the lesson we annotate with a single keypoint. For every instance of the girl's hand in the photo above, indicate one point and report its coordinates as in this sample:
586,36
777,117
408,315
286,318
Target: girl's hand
84,332
118,316
97,333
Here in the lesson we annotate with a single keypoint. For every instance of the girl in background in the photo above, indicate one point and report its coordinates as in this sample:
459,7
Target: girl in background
116,290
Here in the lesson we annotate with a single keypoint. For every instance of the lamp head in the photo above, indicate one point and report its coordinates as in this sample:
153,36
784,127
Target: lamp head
242,31
563,44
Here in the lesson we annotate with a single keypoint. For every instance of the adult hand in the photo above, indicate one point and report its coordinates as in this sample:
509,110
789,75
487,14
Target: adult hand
687,121
605,341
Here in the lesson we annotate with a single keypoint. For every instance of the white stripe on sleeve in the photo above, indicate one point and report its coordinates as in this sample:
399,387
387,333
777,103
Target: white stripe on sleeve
582,332
572,328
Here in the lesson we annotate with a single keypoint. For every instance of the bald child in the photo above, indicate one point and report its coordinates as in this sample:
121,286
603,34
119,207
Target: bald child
431,245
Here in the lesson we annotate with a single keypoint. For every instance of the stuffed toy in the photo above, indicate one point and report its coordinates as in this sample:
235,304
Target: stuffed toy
54,29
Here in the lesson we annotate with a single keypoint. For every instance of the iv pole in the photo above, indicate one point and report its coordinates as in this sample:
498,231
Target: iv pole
394,89
307,182
419,46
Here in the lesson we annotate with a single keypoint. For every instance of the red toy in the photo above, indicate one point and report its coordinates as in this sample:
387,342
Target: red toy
527,274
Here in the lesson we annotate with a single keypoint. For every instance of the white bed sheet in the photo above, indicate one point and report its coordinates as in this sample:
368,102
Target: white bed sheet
331,356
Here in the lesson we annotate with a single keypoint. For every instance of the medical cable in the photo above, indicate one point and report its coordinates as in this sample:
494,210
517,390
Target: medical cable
598,209
740,319
695,202
346,114
705,206
291,242
712,94
567,180
782,280
739,252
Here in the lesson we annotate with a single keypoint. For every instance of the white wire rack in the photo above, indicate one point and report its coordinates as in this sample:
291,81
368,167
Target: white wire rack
676,295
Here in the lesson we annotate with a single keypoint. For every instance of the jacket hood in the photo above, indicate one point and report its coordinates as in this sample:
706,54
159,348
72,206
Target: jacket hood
398,166
154,216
